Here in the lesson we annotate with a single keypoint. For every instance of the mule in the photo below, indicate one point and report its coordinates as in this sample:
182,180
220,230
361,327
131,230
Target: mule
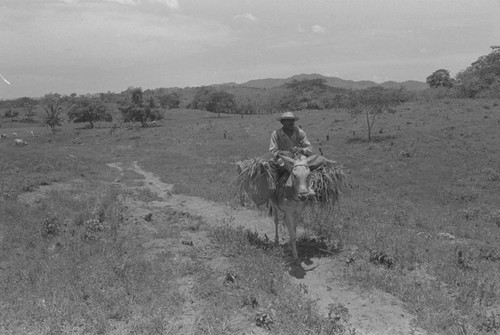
292,205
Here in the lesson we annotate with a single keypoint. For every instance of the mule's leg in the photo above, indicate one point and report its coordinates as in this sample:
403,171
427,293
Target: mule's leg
290,223
276,223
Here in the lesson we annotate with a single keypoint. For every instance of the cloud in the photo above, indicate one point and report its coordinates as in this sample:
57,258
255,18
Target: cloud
317,29
246,16
171,4
49,40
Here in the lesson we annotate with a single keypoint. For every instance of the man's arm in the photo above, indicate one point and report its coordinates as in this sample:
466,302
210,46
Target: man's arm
273,144
307,148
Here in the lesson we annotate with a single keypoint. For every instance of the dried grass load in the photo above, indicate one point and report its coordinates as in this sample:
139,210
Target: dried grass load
256,178
329,183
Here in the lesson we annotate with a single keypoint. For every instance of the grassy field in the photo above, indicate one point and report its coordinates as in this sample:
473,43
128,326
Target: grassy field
422,221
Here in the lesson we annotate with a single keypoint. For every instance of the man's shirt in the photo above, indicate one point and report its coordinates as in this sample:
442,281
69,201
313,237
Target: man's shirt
282,142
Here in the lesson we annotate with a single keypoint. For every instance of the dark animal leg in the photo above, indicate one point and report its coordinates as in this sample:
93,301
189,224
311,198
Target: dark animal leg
276,223
291,224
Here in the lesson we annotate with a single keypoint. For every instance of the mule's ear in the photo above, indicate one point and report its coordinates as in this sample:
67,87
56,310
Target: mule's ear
315,161
330,162
312,159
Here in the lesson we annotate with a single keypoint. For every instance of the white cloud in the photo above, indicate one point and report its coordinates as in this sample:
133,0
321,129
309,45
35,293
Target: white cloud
246,16
171,4
317,29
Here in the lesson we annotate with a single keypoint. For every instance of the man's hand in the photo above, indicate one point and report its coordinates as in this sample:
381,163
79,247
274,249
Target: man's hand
280,153
297,150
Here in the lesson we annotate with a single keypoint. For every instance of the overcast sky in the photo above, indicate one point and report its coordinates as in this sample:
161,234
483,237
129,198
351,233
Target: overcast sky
91,46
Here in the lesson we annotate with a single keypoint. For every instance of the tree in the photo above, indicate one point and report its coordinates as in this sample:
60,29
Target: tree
29,111
201,98
53,109
86,109
488,64
221,102
137,96
138,111
372,102
168,101
482,77
440,78
290,102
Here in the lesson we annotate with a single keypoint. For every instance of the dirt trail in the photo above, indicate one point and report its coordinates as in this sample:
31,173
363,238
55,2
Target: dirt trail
372,312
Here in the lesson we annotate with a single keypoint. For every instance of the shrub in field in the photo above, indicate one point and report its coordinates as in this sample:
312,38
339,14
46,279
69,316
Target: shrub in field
372,102
50,225
29,109
53,109
92,228
381,258
10,113
492,174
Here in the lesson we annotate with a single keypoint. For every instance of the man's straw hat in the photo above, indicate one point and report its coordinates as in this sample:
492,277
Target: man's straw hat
287,116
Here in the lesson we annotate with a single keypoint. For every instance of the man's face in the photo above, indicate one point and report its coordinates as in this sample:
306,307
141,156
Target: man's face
288,124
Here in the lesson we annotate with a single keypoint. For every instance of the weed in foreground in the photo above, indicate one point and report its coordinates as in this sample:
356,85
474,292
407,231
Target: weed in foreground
259,291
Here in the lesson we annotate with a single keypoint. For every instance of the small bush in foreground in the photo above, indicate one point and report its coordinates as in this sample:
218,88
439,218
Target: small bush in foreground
279,306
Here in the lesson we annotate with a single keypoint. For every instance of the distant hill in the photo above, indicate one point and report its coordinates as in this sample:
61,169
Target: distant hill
410,85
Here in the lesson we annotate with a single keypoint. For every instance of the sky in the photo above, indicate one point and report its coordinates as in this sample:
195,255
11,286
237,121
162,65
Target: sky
94,46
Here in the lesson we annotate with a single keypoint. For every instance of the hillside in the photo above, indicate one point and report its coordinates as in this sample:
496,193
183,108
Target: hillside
334,82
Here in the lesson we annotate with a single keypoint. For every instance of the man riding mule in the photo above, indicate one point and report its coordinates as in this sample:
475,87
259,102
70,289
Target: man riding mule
287,141
293,160
292,179
290,141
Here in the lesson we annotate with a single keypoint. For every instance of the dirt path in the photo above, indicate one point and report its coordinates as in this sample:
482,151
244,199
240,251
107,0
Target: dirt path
373,312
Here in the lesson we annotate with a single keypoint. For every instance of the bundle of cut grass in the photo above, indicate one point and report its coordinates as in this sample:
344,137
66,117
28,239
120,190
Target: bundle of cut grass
329,183
256,178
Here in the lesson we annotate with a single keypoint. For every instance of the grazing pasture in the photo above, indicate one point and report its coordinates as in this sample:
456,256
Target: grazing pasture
422,222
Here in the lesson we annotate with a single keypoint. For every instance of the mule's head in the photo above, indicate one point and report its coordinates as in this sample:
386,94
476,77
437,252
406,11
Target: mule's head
301,176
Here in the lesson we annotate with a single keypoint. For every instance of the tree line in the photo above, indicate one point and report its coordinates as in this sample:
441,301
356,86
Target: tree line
480,79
